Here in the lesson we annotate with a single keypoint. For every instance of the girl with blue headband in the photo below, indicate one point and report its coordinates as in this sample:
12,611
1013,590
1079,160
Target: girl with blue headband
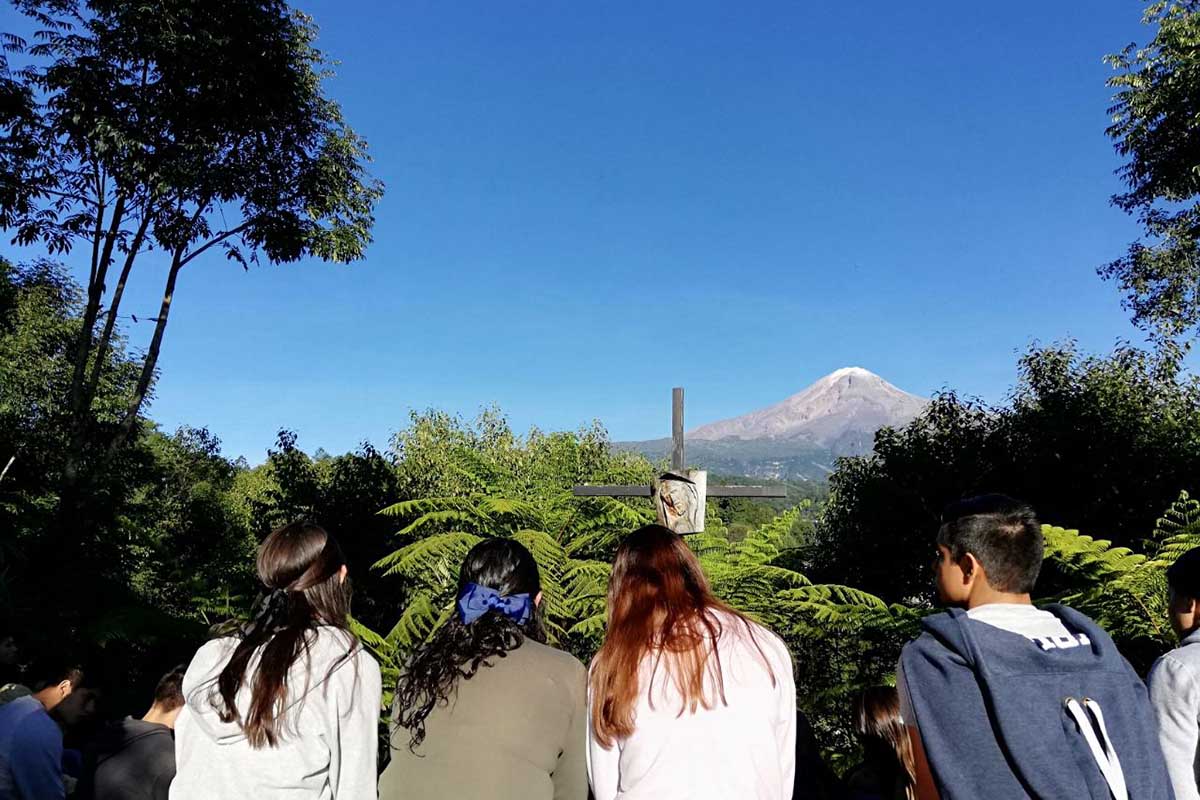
486,708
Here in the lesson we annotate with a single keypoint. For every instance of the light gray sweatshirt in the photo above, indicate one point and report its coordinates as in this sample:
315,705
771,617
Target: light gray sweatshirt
329,744
1175,694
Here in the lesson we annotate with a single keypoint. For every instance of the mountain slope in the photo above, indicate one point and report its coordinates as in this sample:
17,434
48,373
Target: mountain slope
801,436
844,404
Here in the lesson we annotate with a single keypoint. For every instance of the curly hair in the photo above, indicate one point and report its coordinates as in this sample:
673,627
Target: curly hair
458,651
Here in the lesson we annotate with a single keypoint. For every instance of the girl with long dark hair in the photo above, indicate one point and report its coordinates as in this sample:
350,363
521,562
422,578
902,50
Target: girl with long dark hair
288,707
887,772
486,708
689,698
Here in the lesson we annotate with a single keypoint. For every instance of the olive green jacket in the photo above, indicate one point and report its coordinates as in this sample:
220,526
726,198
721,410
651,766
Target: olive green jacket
515,731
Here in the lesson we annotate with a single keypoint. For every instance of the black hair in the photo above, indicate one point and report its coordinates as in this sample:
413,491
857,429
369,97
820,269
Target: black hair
458,651
1184,574
1002,533
168,693
53,671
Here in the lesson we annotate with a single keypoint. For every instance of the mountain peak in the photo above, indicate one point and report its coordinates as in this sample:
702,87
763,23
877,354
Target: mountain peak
840,411
849,372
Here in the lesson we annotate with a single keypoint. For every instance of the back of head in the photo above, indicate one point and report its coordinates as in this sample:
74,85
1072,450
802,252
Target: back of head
1002,533
503,565
659,601
168,693
302,567
496,611
877,721
52,679
51,671
1184,575
655,575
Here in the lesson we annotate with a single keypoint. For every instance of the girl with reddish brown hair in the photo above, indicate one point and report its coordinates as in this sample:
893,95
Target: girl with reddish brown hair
688,698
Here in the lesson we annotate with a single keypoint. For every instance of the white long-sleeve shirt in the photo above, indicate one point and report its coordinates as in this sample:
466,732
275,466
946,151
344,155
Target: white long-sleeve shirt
329,745
744,749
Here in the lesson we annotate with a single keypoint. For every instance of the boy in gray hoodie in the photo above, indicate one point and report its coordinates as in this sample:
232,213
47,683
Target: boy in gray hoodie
1175,680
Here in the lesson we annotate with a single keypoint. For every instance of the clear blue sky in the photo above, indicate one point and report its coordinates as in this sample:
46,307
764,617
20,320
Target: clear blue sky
575,189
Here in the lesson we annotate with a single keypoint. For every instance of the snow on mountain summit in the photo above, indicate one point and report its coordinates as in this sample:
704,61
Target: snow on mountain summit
840,411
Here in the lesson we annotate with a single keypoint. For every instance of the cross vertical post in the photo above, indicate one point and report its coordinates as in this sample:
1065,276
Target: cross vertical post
679,467
678,461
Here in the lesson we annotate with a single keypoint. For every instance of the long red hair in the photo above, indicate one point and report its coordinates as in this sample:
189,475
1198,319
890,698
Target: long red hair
659,603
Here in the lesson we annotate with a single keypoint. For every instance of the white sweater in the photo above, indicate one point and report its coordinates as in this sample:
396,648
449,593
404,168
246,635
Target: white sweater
745,749
328,751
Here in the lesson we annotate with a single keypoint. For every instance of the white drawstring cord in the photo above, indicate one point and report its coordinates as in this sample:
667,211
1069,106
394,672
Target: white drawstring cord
1105,755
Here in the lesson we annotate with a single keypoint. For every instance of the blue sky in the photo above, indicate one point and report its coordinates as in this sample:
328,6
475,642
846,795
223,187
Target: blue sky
574,190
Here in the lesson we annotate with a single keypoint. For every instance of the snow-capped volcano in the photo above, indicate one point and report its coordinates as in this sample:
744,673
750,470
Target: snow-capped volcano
841,411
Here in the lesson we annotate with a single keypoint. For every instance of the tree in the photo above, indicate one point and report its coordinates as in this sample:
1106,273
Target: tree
341,493
1093,443
39,322
1125,589
190,551
180,126
1156,125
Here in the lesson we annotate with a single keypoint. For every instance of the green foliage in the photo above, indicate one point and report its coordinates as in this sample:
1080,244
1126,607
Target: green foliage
502,485
1156,126
1092,443
1122,589
175,126
341,493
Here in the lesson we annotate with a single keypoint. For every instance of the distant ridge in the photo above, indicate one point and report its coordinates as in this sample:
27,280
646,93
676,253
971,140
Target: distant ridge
800,437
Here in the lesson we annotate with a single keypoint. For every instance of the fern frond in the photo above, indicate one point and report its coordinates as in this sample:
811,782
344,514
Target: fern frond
424,505
433,560
1085,558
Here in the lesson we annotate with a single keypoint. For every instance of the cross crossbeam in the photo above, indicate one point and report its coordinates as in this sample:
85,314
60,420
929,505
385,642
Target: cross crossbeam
713,491
679,467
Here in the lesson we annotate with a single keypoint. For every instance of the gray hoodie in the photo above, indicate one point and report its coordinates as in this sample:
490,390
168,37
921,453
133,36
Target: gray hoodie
1175,694
329,744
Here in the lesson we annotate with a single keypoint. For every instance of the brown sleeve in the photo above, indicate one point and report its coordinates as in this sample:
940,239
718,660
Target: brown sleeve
570,774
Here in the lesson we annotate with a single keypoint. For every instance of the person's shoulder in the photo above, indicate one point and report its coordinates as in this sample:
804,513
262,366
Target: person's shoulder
346,655
931,642
208,659
766,639
35,722
551,657
1179,666
214,651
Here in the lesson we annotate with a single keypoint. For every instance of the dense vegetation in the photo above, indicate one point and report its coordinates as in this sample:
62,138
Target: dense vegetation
124,542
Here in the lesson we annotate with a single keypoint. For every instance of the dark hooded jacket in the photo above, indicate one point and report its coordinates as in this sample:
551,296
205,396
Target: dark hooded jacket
1004,717
130,760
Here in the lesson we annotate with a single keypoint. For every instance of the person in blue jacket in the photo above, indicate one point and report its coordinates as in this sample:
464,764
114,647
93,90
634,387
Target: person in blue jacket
1003,700
31,743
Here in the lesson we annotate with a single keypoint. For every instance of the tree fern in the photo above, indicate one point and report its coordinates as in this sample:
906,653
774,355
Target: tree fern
1177,531
1126,591
433,560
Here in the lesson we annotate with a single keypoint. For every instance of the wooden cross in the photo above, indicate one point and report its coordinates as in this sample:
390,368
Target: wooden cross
679,467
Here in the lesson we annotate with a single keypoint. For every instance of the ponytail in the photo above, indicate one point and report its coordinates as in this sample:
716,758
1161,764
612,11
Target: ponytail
301,564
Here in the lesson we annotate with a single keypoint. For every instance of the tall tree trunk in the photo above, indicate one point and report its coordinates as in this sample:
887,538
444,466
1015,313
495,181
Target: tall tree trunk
79,401
147,377
110,322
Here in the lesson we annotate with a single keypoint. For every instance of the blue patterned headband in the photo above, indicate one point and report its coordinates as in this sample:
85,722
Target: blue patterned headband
476,600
